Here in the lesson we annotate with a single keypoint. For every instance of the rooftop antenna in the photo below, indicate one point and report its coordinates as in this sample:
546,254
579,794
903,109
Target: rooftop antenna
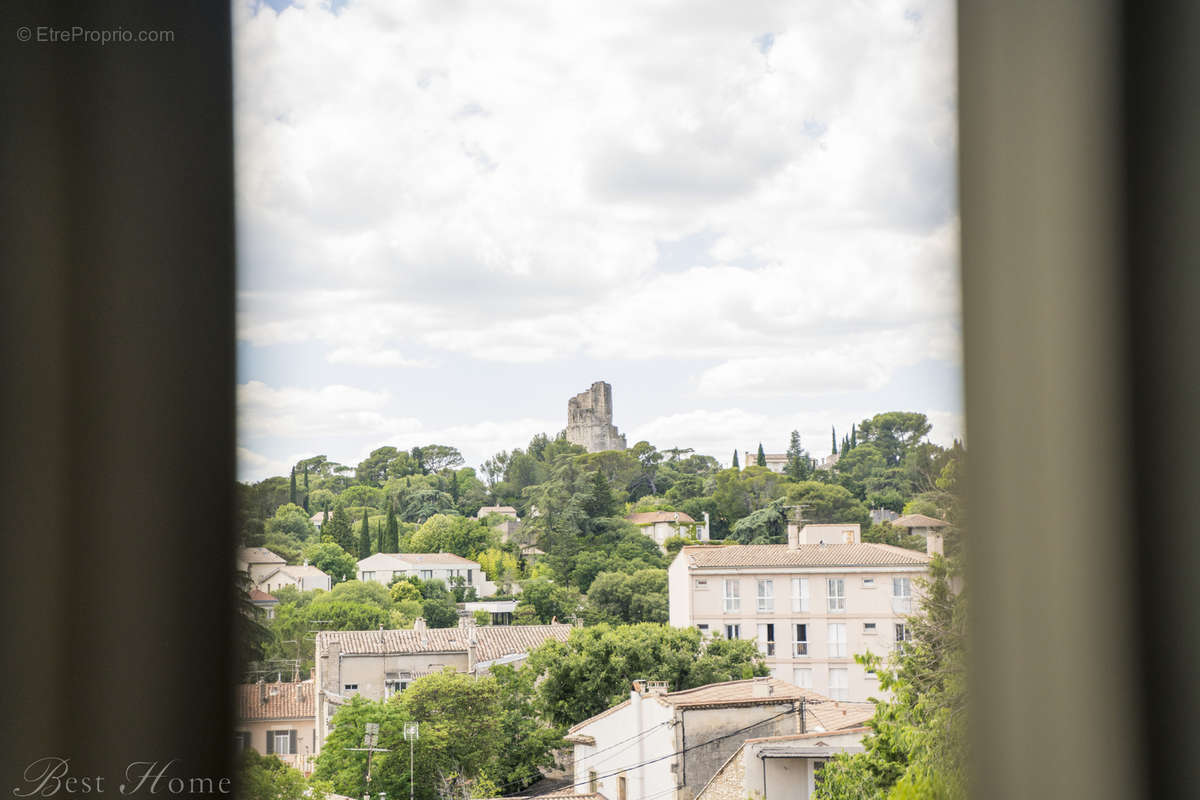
370,739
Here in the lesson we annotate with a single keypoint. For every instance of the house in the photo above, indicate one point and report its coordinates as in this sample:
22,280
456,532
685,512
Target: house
264,601
929,527
780,766
776,462
670,744
509,526
257,562
662,525
304,578
881,515
377,664
501,610
811,604
317,518
278,719
446,567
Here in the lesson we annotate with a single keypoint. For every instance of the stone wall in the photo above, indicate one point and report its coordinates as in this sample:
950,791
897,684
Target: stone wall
589,420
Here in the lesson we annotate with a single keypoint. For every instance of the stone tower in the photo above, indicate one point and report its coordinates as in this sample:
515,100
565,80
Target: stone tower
589,420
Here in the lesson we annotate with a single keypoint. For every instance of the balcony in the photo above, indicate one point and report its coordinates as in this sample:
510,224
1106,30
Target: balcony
902,605
303,762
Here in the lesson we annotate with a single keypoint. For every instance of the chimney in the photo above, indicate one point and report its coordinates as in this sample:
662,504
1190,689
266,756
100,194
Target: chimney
472,644
262,690
934,542
419,624
762,688
793,530
639,686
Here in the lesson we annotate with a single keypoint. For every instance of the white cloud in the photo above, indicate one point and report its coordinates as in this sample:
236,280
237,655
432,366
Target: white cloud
330,411
490,181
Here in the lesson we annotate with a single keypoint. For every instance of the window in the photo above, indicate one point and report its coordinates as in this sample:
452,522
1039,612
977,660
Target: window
426,574
701,584
800,594
593,781
902,595
800,643
703,628
281,743
733,632
837,640
869,629
351,687
622,791
368,576
733,596
802,677
901,635
838,683
836,594
766,639
868,583
393,686
241,741
766,596
470,576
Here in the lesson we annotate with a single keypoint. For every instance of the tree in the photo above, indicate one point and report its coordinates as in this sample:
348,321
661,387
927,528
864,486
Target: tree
391,532
762,457
827,502
447,533
528,742
894,433
262,777
798,465
337,529
292,490
833,434
548,600
332,559
735,460
629,598
592,670
765,526
291,520
364,538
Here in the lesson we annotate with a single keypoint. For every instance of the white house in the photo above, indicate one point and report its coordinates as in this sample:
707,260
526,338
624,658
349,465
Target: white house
780,766
662,525
446,567
304,578
257,562
670,744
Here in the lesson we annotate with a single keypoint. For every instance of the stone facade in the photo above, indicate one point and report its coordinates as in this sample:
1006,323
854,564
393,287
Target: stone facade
589,420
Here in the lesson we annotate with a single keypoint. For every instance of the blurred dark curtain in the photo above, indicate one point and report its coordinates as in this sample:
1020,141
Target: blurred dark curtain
116,334
1079,177
1080,172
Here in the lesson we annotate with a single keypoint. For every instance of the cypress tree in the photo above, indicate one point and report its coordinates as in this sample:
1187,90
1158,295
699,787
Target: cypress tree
338,529
735,461
797,460
391,537
292,492
833,436
305,504
762,457
364,538
853,436
306,478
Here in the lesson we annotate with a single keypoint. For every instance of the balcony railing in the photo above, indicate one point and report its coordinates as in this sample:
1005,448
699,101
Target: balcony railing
305,762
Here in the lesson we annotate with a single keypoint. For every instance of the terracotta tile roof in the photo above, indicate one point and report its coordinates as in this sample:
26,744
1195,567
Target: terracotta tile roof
651,517
742,693
492,641
838,715
919,521
805,555
286,700
259,555
800,737
507,510
259,596
406,560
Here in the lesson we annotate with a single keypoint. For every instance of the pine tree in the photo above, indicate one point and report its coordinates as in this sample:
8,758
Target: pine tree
391,537
292,492
338,529
735,461
762,457
853,436
833,435
797,460
364,538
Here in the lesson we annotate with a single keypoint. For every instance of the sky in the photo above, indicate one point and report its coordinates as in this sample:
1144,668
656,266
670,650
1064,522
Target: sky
455,215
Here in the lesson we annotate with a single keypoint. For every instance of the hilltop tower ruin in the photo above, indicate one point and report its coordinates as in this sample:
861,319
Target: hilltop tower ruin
589,420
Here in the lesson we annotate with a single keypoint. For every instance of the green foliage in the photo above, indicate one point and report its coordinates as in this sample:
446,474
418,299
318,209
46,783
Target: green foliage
445,533
364,537
546,600
799,465
761,460
827,502
261,777
332,559
593,669
482,617
734,463
391,532
628,598
291,520
765,526
403,589
337,529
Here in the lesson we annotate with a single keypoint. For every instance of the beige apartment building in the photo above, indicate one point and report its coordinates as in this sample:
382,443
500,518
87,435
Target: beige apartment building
811,604
278,719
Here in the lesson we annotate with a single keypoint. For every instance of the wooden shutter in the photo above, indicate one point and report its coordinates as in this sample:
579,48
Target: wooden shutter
270,742
292,742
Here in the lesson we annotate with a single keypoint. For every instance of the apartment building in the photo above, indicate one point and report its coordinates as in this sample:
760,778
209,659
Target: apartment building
445,567
278,719
377,664
811,604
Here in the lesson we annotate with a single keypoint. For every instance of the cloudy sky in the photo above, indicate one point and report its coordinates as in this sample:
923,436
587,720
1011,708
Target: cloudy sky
454,215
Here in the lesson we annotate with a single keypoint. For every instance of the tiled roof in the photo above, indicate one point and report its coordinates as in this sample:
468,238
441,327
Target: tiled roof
492,641
836,715
405,560
800,737
508,510
287,700
743,693
303,570
259,555
919,521
258,596
651,517
805,555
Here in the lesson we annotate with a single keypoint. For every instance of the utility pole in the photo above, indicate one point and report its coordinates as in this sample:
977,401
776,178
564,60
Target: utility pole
411,733
369,740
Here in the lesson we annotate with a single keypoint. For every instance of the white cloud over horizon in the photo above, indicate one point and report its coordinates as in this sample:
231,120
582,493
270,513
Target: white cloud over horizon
763,192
